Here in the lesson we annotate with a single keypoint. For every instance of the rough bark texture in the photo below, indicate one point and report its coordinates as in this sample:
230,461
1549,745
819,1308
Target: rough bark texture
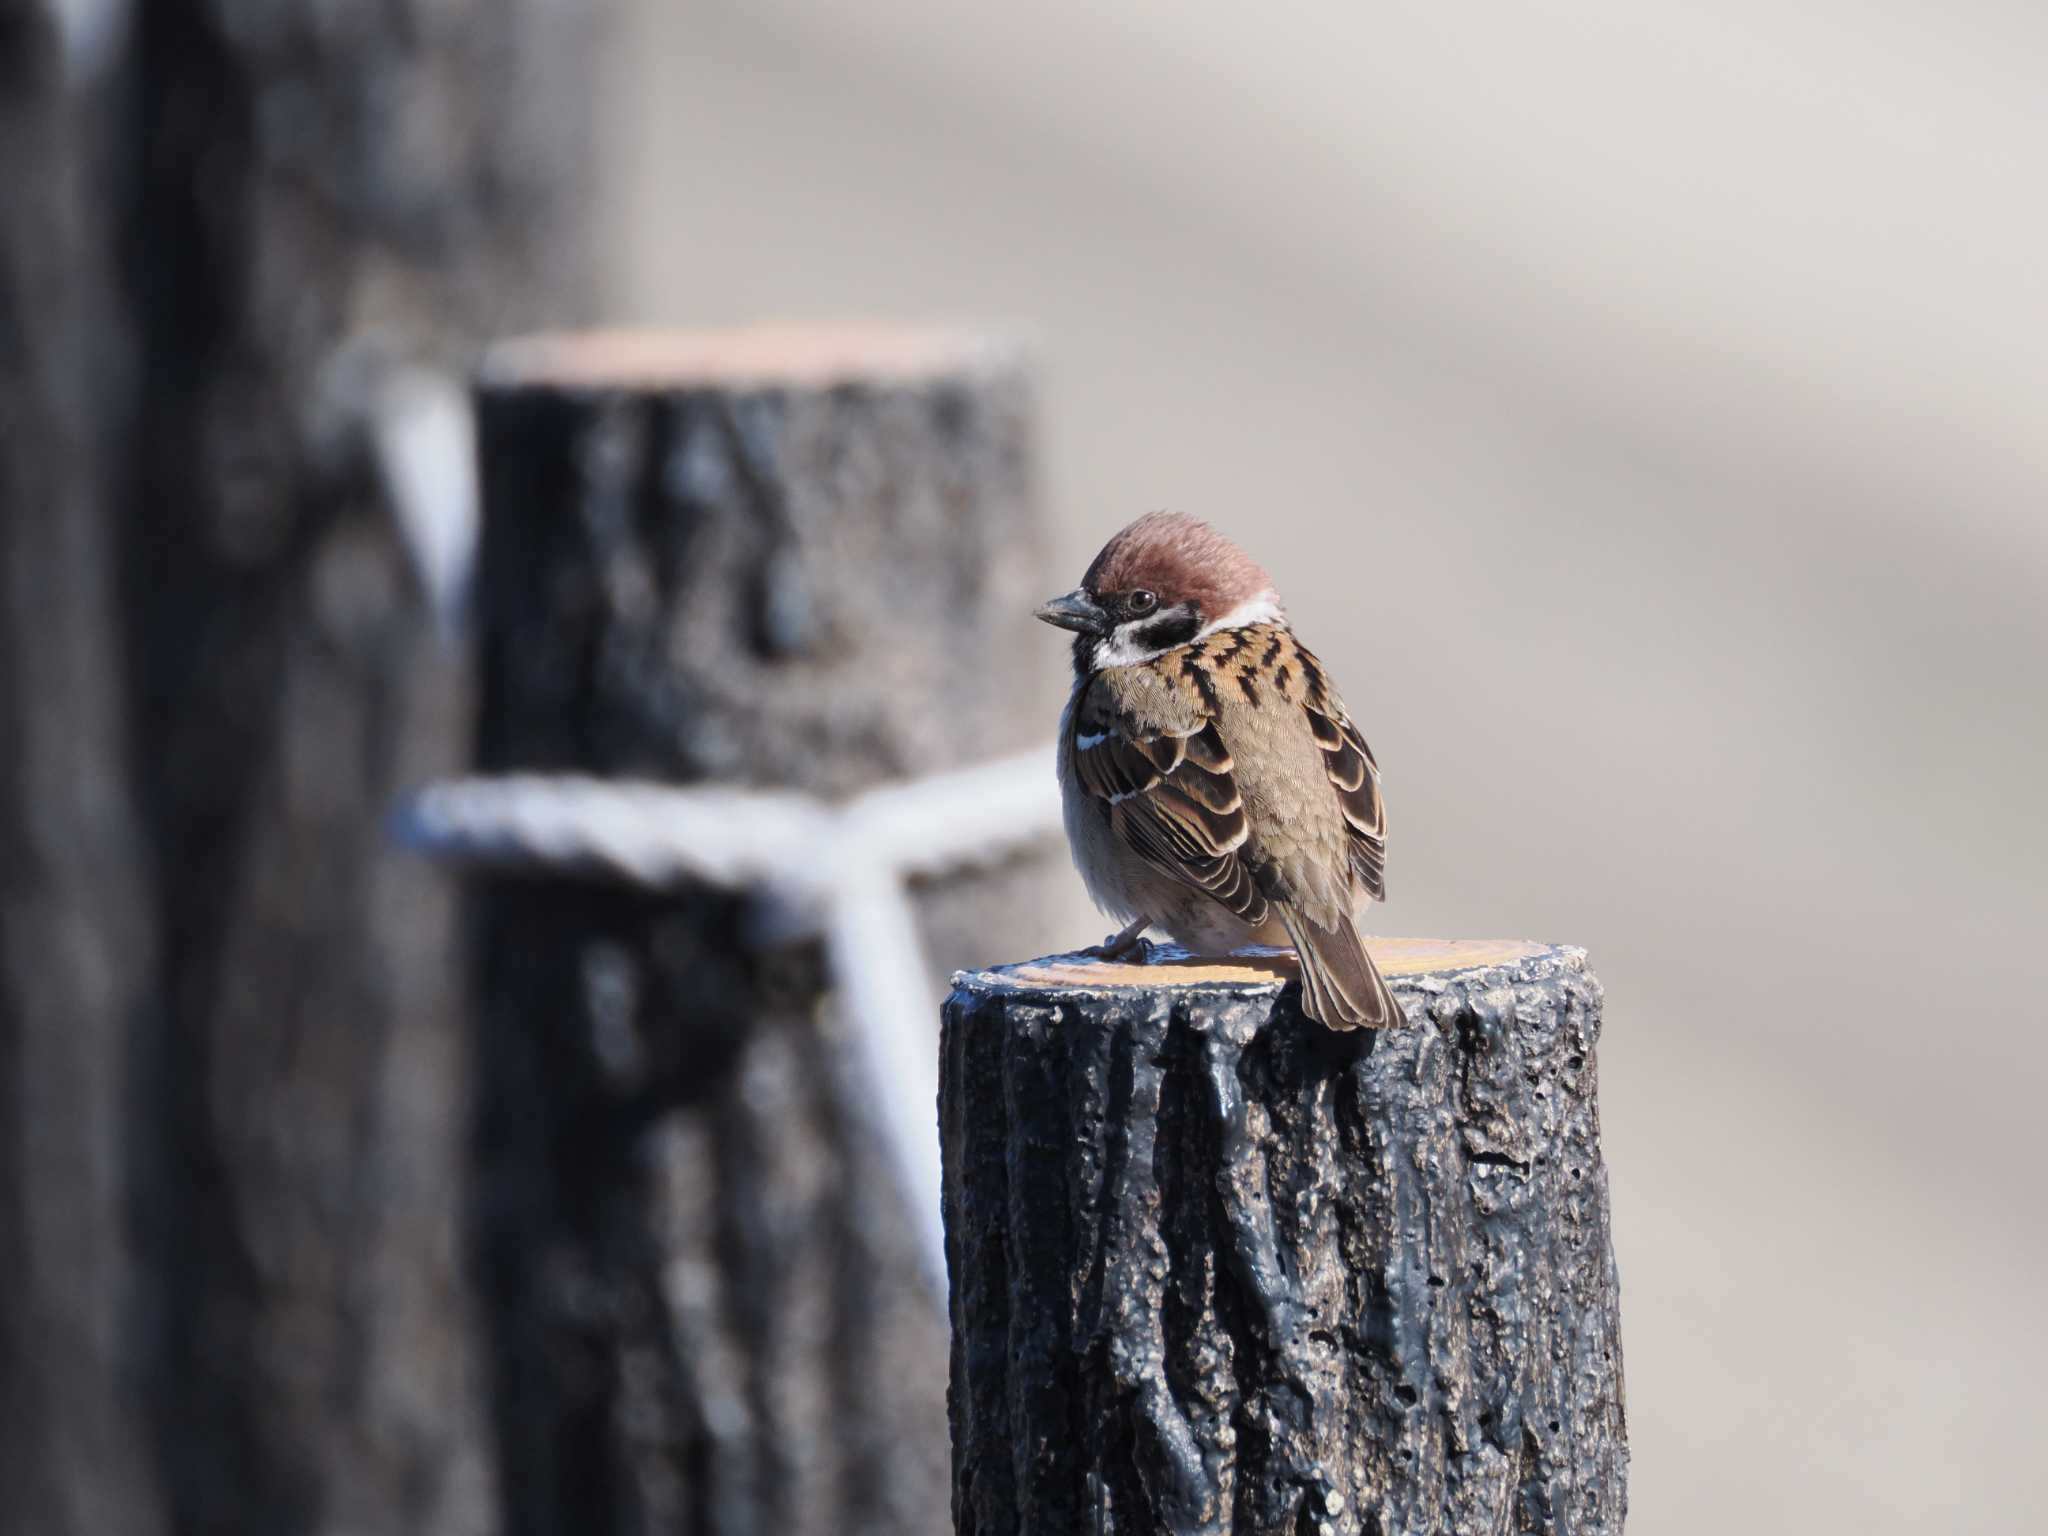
1216,1269
76,943
234,1116
800,561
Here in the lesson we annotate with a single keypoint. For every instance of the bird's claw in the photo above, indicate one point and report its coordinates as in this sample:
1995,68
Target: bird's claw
1121,946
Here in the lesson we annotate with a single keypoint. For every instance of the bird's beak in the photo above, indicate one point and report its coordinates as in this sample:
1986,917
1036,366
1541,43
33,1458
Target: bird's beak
1076,611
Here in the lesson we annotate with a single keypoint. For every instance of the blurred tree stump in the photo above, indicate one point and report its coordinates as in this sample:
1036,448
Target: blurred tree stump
1216,1269
77,944
234,1052
795,558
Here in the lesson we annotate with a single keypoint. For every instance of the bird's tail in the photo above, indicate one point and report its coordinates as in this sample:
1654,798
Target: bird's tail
1340,986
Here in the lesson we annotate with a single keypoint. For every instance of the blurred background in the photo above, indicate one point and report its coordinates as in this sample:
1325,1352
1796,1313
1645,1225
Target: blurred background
1639,405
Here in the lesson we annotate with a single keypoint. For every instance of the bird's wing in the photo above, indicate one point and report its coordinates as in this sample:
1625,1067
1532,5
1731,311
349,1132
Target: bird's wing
1356,778
1166,778
1262,661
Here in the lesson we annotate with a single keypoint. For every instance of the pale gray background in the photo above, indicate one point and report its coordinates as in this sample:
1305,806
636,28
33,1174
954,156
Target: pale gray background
1641,406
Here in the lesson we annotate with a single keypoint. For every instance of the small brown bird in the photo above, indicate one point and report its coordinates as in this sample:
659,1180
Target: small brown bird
1214,786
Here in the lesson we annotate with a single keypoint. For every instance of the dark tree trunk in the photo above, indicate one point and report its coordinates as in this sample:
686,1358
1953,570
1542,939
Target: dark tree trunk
77,978
220,672
802,560
1216,1269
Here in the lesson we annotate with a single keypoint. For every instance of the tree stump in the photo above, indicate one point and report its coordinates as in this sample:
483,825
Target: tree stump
1217,1269
797,558
232,1130
77,935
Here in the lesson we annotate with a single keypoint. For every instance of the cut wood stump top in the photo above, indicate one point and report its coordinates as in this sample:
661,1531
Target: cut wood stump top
1256,966
786,355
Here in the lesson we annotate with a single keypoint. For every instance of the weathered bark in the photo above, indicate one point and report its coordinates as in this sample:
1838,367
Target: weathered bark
212,627
322,195
76,939
801,560
1216,1269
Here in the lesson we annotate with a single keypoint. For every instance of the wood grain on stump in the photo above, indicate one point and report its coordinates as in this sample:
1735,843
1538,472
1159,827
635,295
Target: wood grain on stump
1218,1269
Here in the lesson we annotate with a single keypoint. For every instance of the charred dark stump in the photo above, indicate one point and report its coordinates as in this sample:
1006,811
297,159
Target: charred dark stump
801,559
1217,1269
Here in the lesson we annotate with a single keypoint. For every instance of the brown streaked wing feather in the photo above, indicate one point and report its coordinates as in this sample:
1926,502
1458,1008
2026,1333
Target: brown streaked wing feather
1356,778
1171,799
1111,761
1346,767
1164,753
1113,768
1206,751
1215,792
1369,862
1167,820
1229,882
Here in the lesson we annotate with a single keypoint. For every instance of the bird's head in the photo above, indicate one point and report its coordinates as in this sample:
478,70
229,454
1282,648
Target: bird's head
1164,581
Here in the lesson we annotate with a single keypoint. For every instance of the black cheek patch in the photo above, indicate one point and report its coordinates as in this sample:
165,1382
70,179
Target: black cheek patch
1176,626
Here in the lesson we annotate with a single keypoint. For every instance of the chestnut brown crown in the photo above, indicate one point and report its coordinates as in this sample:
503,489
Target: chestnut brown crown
1159,583
1180,559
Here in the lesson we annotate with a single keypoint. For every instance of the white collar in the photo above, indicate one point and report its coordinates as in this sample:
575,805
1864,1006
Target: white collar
1263,609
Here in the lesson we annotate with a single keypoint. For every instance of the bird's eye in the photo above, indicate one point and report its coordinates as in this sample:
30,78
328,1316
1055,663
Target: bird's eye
1141,601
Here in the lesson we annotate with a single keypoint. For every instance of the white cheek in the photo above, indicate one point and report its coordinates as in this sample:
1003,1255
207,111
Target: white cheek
1122,650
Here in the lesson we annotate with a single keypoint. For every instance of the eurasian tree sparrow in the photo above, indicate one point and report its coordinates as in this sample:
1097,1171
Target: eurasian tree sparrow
1214,786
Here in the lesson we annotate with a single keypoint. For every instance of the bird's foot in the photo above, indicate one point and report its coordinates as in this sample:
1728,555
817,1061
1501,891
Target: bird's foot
1123,944
1117,947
